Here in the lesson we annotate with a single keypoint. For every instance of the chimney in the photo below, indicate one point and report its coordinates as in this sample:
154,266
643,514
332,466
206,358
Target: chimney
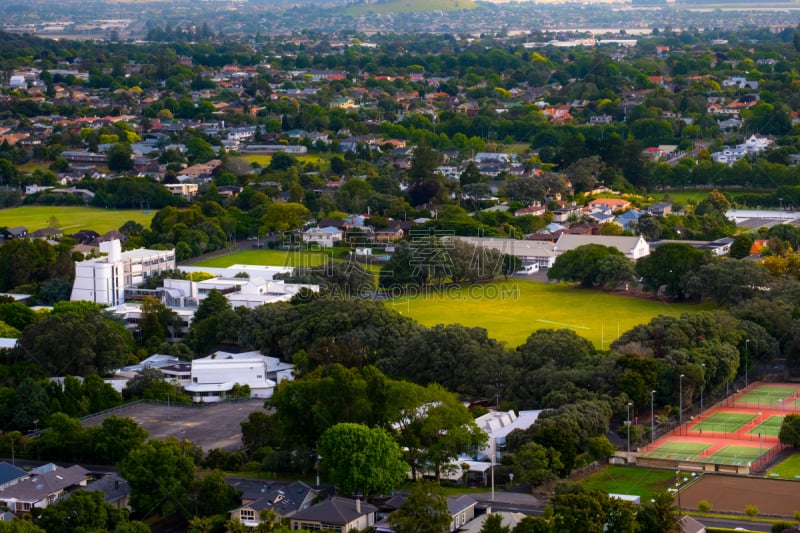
358,505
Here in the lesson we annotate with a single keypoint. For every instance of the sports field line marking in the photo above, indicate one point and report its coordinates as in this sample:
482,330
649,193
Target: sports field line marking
561,324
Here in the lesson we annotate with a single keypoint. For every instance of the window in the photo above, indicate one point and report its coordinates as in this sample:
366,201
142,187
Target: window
247,514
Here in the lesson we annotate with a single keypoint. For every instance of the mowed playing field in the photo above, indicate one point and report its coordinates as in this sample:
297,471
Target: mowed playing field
73,218
511,310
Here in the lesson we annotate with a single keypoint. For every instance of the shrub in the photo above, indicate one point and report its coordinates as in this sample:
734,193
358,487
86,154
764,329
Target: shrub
751,510
703,506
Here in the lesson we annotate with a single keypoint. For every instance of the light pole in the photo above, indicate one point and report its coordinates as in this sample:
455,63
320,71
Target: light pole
628,423
746,358
680,401
652,418
702,386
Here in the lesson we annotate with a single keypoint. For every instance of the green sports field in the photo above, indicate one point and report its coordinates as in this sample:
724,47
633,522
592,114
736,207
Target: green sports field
267,257
769,427
264,160
72,219
675,449
788,469
641,481
724,422
511,310
766,396
735,455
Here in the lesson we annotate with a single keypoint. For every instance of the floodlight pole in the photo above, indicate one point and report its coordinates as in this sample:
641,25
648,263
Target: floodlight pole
628,423
652,418
680,401
702,386
746,359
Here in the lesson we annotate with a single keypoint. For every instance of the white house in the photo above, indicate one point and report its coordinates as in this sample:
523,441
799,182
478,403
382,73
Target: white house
213,377
753,145
326,237
497,425
632,247
103,280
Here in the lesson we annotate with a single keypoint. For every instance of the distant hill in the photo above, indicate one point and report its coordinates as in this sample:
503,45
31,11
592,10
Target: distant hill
408,6
723,3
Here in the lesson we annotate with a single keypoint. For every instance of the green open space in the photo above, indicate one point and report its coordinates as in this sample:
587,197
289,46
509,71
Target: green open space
733,454
73,218
677,449
786,469
769,427
264,256
511,310
264,160
724,422
644,482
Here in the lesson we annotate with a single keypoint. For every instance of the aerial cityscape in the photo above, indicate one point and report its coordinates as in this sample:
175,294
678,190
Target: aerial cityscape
396,266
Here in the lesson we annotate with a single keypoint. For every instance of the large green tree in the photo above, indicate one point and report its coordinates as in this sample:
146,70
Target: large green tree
160,476
583,264
361,459
424,511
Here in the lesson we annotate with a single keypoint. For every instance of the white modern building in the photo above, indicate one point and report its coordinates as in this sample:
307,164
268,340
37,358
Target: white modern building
753,145
498,425
213,377
103,280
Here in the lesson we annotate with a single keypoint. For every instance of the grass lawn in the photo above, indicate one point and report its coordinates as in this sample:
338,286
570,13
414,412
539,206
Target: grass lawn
788,469
72,219
722,422
511,310
643,482
267,257
264,160
679,449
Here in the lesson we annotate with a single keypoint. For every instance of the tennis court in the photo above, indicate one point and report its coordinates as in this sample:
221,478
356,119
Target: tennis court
735,455
770,427
679,449
768,396
724,422
737,435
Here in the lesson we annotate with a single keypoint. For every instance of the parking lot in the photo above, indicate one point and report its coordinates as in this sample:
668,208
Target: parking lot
209,426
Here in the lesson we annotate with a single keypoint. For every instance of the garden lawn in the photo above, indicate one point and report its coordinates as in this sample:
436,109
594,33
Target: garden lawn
644,482
72,219
511,310
788,469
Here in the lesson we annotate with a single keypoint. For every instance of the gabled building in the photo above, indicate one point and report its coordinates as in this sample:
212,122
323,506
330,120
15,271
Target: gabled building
44,486
632,247
335,514
10,475
285,502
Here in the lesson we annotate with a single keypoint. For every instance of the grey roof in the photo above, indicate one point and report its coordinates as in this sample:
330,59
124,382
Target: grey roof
9,472
336,510
113,486
456,504
285,501
39,486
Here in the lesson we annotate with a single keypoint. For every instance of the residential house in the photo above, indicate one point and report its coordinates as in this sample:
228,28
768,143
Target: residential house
535,210
17,232
184,190
632,247
530,252
325,237
10,475
335,514
285,502
44,486
753,145
660,209
508,519
563,214
461,510
610,205
115,489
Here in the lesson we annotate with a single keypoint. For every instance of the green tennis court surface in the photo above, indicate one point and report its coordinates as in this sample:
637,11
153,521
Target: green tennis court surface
769,427
724,422
679,450
735,455
766,395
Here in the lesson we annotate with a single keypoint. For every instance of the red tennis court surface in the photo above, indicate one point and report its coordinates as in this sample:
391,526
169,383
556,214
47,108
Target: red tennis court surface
738,435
